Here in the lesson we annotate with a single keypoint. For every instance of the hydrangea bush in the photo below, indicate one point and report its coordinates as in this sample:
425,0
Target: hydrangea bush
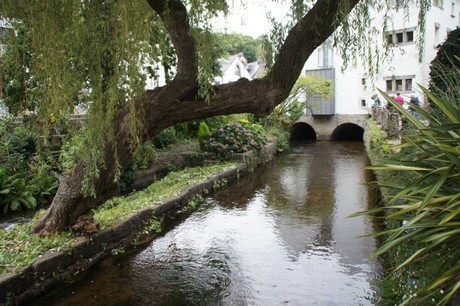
235,138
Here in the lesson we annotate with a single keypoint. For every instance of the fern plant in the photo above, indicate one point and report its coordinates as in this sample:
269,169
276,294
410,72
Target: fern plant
425,208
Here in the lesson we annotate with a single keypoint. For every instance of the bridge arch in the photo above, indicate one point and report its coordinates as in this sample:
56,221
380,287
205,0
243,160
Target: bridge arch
335,127
348,131
302,131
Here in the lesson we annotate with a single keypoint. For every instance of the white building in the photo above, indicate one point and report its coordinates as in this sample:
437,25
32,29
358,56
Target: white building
5,29
233,68
354,87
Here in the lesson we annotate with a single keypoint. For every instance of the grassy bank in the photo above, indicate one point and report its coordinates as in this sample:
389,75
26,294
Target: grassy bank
19,247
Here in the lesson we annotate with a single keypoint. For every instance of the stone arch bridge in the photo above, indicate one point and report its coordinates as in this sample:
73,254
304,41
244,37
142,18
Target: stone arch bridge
330,127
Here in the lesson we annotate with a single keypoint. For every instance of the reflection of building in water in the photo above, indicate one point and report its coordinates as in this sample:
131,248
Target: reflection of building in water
322,185
351,195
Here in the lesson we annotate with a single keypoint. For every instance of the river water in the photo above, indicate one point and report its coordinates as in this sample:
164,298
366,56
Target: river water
279,236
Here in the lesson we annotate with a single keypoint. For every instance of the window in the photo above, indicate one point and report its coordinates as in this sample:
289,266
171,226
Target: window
325,56
401,84
238,70
410,36
363,102
390,86
408,85
438,3
400,37
363,81
436,34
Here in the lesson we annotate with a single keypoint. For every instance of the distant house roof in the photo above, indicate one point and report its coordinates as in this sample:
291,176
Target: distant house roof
236,67
256,69
225,63
4,23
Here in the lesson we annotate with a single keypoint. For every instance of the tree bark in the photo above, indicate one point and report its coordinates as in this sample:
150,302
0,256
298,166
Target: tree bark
179,102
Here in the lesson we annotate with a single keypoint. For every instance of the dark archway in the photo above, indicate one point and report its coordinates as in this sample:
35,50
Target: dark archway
302,131
348,131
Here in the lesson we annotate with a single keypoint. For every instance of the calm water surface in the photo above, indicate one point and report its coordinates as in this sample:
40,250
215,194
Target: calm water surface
280,236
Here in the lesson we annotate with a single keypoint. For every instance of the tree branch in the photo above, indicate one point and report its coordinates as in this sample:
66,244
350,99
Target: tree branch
175,17
309,33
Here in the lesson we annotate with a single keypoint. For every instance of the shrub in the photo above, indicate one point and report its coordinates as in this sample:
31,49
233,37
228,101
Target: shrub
167,137
203,134
15,191
25,181
234,138
423,211
17,146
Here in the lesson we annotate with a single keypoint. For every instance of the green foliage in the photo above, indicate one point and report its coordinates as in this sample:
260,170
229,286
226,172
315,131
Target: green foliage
282,136
25,181
423,212
307,91
444,62
85,49
192,204
167,137
234,138
15,66
17,145
231,44
203,134
25,189
378,144
97,52
118,251
144,155
170,186
19,247
15,191
442,68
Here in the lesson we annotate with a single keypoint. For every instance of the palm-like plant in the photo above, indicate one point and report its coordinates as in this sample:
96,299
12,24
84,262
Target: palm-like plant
426,208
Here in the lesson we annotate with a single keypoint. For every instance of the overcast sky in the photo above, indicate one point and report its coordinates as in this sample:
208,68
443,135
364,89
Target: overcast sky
251,19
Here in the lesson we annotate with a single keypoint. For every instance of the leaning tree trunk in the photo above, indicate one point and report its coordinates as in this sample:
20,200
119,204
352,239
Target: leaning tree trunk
179,101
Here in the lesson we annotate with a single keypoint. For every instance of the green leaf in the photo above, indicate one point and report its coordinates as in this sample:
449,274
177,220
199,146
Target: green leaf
15,205
5,191
411,258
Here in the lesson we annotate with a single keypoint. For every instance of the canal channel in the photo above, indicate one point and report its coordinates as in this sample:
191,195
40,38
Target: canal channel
279,236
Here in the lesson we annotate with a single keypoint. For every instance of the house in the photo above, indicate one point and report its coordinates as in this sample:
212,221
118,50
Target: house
234,68
5,30
403,73
256,69
347,112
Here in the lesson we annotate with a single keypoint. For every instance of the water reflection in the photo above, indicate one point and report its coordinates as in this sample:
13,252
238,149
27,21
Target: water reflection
279,236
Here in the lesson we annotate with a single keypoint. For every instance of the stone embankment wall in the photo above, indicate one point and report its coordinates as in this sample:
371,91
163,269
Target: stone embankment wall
55,267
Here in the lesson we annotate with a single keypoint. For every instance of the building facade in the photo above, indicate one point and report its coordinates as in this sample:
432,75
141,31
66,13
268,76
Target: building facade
404,72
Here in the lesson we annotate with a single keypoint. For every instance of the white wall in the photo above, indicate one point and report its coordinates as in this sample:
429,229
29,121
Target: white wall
405,64
234,71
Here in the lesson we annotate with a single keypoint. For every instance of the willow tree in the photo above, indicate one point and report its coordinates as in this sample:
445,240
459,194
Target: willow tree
95,49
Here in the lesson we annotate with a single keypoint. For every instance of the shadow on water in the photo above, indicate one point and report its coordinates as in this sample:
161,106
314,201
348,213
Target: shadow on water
278,236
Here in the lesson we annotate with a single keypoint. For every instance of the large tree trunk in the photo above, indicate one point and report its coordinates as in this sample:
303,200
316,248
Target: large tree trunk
179,102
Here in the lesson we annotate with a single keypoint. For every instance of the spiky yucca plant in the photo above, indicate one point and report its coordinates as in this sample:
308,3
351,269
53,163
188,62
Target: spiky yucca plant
426,209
